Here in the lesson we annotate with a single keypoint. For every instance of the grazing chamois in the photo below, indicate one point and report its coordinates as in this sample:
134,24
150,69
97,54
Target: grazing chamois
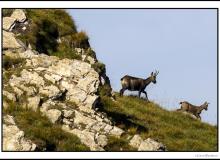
137,84
195,110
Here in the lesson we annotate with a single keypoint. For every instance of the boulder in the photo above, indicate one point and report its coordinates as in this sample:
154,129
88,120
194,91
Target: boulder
13,138
32,78
136,141
9,41
151,145
50,91
19,15
54,115
87,138
8,23
33,103
117,132
68,113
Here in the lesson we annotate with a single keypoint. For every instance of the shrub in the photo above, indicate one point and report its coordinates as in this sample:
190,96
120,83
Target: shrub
80,40
105,90
99,67
9,62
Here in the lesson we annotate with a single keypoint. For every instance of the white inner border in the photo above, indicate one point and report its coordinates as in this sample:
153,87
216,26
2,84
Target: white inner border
118,4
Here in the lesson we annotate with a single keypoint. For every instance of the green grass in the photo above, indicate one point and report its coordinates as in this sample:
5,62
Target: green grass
41,131
118,144
177,131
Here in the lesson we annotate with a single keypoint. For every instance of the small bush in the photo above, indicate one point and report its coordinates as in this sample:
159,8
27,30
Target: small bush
64,51
9,62
105,90
99,67
91,53
80,40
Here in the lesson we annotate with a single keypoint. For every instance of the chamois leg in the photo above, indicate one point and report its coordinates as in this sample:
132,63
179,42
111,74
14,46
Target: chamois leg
139,94
122,91
198,116
145,95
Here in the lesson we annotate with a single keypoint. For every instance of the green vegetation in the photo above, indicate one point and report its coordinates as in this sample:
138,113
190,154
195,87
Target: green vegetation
7,12
118,144
105,90
177,131
9,62
42,132
53,32
11,66
99,67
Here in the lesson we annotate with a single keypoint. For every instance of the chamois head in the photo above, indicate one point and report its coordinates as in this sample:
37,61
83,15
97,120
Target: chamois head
153,76
205,105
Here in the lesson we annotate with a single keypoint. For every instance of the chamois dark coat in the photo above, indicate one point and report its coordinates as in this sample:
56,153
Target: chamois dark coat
195,110
137,84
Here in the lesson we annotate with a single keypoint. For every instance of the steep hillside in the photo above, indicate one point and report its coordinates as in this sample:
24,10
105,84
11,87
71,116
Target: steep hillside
178,131
57,96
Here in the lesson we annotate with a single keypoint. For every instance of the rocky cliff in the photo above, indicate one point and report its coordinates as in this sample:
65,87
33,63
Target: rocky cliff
64,90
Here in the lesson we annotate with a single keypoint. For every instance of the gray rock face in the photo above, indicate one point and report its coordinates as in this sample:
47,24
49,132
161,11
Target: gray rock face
19,15
13,138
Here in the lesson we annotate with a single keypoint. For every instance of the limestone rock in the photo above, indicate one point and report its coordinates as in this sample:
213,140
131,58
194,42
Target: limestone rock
8,120
8,23
50,91
19,15
33,103
54,115
116,131
136,141
102,140
68,113
18,91
151,145
27,54
9,41
13,138
32,78
87,138
10,96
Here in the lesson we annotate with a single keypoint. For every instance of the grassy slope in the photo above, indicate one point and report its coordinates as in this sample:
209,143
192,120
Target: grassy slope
177,131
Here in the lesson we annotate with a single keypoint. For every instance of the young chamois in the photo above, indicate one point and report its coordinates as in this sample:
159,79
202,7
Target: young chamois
195,110
137,84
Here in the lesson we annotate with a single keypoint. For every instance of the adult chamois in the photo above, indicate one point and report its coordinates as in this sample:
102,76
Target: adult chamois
137,84
195,110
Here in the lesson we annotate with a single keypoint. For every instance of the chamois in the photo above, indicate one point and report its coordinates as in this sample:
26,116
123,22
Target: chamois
195,110
137,84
